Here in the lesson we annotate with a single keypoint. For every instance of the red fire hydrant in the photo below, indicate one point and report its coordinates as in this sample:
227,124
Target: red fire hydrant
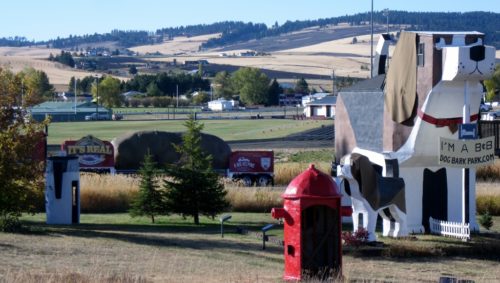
312,226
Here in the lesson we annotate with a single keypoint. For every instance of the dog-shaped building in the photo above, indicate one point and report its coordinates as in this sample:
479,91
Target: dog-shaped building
388,129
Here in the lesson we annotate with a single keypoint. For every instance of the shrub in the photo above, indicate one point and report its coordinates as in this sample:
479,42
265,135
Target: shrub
146,102
355,239
486,220
134,102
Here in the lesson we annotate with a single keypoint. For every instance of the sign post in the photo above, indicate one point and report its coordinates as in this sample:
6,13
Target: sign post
465,170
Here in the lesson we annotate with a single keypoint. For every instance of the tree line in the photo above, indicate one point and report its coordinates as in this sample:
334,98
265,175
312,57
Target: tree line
236,31
248,85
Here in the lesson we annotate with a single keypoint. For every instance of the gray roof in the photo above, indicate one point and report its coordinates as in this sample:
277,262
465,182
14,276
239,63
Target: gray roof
327,100
63,107
375,84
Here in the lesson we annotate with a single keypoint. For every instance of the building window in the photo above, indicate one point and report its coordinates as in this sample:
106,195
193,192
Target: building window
420,54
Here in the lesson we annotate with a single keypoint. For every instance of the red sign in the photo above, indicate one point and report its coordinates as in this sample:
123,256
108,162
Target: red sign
251,161
91,151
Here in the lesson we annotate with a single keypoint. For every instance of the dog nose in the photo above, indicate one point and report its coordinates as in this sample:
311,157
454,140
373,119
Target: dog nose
477,53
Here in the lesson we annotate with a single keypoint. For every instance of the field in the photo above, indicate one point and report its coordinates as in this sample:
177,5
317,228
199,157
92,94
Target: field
228,130
19,58
179,45
311,52
116,248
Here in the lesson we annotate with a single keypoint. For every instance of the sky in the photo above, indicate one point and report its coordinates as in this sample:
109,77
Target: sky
48,19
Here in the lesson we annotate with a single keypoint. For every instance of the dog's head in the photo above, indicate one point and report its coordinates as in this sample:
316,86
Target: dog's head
462,62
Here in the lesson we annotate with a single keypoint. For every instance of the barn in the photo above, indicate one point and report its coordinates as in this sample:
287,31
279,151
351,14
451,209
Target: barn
62,111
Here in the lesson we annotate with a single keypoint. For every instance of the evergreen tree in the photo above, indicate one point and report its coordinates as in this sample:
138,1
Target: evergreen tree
274,93
486,220
194,188
150,200
153,90
132,70
301,86
71,85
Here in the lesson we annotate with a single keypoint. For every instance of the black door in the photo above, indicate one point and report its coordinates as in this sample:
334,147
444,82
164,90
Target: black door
320,241
435,196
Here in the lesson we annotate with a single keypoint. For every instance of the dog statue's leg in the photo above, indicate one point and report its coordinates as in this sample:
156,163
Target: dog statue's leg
371,223
355,220
401,229
387,230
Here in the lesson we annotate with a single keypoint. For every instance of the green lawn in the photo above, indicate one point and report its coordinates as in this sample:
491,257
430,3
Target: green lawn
226,129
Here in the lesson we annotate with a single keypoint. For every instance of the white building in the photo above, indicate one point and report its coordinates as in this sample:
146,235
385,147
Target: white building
324,107
221,104
312,97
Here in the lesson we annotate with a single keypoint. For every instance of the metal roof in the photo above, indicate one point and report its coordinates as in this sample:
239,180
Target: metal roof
65,107
327,100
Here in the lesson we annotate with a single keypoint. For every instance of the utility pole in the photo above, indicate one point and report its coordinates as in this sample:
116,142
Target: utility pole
386,13
97,96
371,44
75,97
333,82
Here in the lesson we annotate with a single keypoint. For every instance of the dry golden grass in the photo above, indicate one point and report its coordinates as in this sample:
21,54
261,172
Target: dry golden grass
19,58
490,172
107,253
254,199
313,59
107,193
285,172
180,44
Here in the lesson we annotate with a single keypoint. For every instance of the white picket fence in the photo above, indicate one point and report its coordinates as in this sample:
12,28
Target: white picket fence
451,229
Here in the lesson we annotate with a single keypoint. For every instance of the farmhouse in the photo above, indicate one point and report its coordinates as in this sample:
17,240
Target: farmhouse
66,111
324,107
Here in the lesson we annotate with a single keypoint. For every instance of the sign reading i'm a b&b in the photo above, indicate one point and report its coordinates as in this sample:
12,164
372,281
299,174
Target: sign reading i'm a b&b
466,153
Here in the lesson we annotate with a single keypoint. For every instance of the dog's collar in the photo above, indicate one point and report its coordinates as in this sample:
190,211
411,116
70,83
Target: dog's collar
443,122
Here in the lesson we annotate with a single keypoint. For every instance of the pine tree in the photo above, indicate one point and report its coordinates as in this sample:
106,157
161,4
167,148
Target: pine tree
150,200
274,93
486,220
301,86
194,188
